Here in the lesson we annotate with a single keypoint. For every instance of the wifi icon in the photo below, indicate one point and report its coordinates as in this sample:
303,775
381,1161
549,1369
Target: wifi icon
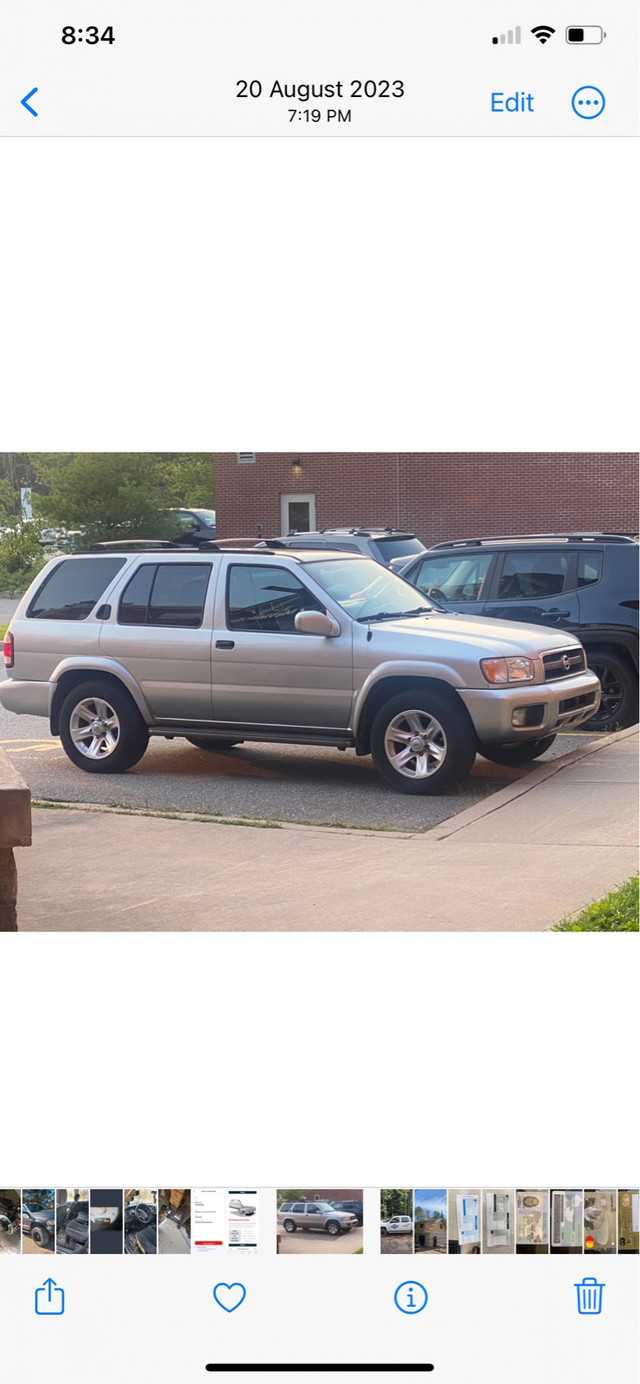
543,32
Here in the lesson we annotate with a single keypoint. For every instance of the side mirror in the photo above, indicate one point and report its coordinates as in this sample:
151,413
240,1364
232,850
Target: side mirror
316,622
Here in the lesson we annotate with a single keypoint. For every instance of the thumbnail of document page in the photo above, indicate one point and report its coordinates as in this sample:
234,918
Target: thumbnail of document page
208,1220
532,1217
468,1220
498,1213
242,1222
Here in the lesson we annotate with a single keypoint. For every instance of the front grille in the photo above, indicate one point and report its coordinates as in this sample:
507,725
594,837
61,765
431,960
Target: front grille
575,703
563,663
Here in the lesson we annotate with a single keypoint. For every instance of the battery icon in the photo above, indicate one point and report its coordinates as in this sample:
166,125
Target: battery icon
589,33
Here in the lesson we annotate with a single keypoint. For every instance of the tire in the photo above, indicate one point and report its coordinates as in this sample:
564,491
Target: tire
219,746
383,1230
332,1228
619,692
40,1236
523,753
451,748
113,749
290,1227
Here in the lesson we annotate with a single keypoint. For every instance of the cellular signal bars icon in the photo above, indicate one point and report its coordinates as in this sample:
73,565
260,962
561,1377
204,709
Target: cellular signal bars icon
511,36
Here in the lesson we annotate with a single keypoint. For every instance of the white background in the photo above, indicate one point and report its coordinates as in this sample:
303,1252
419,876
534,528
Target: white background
365,295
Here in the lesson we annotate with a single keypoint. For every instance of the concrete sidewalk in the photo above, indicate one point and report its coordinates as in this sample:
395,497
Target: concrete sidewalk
546,846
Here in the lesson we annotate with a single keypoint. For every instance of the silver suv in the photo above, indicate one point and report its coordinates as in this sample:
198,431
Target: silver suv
389,546
315,1215
317,648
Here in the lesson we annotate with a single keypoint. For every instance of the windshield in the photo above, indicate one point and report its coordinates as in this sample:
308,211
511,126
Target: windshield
397,547
208,516
325,1206
368,591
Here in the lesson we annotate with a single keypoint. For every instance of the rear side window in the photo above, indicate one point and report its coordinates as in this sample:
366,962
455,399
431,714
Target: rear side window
73,588
589,568
531,576
170,594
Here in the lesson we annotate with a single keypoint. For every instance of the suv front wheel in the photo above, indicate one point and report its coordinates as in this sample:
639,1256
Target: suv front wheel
101,729
421,742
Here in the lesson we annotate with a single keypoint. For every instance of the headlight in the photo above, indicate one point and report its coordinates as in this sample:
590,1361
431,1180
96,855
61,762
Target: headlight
504,670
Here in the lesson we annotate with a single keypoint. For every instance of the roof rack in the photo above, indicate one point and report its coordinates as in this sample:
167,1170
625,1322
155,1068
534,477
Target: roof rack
539,538
363,530
162,545
135,545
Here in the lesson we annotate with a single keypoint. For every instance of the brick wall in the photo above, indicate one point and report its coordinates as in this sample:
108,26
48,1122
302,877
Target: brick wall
437,495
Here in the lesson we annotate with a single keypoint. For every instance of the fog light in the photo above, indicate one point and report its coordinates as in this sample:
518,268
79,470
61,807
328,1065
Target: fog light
519,717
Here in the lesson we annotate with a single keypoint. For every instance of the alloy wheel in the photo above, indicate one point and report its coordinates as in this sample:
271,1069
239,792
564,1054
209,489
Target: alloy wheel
94,728
415,744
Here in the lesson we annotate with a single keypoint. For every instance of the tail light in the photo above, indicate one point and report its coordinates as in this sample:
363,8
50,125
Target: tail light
8,650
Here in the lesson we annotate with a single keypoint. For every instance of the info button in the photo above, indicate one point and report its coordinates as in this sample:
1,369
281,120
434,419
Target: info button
512,102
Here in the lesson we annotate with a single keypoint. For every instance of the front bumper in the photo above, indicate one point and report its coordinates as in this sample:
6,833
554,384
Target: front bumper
549,707
25,698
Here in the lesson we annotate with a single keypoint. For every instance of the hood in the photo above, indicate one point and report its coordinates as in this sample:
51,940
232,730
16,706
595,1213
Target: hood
474,632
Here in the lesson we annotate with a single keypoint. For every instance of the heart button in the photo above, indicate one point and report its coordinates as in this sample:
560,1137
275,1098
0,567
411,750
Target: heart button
229,1295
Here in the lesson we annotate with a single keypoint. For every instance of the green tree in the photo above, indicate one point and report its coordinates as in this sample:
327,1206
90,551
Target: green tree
112,495
396,1202
21,557
290,1194
188,479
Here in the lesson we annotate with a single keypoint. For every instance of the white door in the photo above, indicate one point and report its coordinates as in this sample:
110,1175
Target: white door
298,513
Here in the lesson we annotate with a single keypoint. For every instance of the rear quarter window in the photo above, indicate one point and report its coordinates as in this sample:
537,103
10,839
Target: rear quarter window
72,589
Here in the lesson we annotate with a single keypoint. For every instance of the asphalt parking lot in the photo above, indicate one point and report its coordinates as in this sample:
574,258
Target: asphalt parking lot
282,783
318,1242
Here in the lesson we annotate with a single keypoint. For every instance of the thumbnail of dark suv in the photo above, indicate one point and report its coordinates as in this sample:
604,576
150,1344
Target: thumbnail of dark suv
585,583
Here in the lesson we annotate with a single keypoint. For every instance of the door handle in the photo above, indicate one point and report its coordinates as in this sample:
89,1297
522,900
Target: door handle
553,610
225,644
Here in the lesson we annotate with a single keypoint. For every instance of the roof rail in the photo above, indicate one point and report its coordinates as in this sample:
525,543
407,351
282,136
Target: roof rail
538,538
135,545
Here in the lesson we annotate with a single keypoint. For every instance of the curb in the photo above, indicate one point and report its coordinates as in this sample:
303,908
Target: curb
524,785
202,819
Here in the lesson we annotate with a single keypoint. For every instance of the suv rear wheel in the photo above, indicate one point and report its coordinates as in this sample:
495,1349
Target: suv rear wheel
523,753
421,743
289,1226
101,729
618,692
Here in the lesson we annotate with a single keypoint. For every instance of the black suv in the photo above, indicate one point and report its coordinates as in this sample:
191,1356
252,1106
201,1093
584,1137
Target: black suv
586,583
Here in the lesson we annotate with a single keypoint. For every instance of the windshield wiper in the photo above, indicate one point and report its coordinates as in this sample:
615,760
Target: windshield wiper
393,614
